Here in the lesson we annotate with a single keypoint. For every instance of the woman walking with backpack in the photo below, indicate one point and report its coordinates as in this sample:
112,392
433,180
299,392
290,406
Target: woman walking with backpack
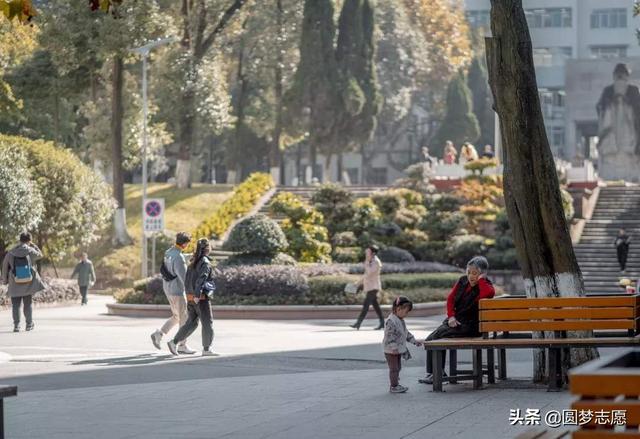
200,288
23,280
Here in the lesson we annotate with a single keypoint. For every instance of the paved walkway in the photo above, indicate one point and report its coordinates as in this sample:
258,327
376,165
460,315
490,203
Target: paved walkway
84,374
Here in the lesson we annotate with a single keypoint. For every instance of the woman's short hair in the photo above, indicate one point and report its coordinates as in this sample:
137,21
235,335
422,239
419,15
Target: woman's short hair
374,249
182,238
479,262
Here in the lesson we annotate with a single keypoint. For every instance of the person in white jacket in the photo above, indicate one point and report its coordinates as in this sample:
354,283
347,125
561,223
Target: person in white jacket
371,285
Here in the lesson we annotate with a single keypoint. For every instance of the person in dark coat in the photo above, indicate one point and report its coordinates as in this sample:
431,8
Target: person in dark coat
86,276
622,243
463,313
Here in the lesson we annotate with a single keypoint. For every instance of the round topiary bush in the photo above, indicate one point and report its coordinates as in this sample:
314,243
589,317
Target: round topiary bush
253,259
256,235
464,247
395,254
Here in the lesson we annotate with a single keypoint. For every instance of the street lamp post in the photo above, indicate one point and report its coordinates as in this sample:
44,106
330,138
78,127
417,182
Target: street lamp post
144,52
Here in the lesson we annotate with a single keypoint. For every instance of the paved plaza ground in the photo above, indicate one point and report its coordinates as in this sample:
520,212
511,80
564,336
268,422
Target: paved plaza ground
84,374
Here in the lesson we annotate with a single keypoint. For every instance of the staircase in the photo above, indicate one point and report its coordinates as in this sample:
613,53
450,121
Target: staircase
617,207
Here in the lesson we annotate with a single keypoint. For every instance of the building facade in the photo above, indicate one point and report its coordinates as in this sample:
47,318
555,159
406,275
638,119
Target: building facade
563,31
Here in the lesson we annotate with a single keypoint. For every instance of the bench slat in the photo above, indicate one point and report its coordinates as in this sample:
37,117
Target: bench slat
551,302
610,382
604,434
558,313
567,325
478,342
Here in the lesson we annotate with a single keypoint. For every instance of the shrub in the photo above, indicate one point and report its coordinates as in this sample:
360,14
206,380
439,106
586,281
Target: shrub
243,199
435,251
567,205
395,254
444,202
502,259
388,201
347,254
77,203
478,166
335,204
411,240
260,280
441,226
256,234
56,291
463,248
407,218
344,239
365,215
417,179
303,228
253,259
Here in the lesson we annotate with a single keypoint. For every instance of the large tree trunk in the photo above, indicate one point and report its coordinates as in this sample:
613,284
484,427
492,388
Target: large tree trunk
275,155
531,189
120,235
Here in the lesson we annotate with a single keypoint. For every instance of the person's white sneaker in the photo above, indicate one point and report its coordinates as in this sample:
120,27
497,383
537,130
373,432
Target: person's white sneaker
208,353
172,347
398,389
156,338
184,349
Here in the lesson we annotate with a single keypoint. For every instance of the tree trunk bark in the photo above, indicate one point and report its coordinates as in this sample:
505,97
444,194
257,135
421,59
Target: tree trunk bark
275,156
531,188
313,159
120,235
340,169
326,172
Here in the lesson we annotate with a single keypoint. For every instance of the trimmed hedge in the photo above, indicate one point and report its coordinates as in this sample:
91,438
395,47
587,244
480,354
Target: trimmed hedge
256,235
243,199
261,280
395,254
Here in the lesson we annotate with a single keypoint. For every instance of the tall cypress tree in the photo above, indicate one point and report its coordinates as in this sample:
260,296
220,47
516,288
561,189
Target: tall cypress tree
355,53
312,100
459,124
478,83
337,84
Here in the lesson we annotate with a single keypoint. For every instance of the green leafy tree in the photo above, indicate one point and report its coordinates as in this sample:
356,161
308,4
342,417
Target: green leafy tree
21,205
459,124
478,83
76,202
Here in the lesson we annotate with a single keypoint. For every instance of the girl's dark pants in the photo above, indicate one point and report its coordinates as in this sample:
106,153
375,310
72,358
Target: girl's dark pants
445,331
395,364
371,299
83,293
15,303
200,311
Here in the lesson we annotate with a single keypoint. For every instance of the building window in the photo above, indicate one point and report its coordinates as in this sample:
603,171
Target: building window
551,56
479,18
549,17
353,174
608,52
378,176
609,18
557,136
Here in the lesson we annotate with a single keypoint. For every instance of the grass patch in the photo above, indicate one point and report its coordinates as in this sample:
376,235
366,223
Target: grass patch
185,209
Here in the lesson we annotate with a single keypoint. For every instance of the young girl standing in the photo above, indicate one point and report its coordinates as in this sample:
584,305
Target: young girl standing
395,341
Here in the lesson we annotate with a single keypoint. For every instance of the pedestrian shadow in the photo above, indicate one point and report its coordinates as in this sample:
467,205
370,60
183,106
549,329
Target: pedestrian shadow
132,360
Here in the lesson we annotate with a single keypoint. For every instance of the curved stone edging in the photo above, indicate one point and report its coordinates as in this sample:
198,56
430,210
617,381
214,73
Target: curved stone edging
275,312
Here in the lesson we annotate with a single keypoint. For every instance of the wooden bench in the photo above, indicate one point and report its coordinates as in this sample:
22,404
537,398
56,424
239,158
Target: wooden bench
605,385
5,392
501,318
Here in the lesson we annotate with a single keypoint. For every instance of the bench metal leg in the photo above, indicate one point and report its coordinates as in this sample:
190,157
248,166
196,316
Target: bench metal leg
502,364
555,370
453,365
491,367
437,370
477,368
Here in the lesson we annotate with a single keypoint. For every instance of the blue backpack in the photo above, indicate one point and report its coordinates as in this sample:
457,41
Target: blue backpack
22,271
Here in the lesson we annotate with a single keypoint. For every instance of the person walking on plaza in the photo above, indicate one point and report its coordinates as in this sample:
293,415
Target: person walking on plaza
450,153
173,271
622,243
200,288
463,314
488,152
371,285
396,336
468,153
23,279
86,276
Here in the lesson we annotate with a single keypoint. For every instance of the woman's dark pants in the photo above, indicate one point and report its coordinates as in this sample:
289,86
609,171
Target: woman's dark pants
371,299
445,331
202,312
623,252
83,293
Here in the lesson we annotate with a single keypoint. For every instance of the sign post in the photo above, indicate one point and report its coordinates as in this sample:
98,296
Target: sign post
152,221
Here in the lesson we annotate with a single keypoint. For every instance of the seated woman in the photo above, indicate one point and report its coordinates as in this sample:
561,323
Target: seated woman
462,308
